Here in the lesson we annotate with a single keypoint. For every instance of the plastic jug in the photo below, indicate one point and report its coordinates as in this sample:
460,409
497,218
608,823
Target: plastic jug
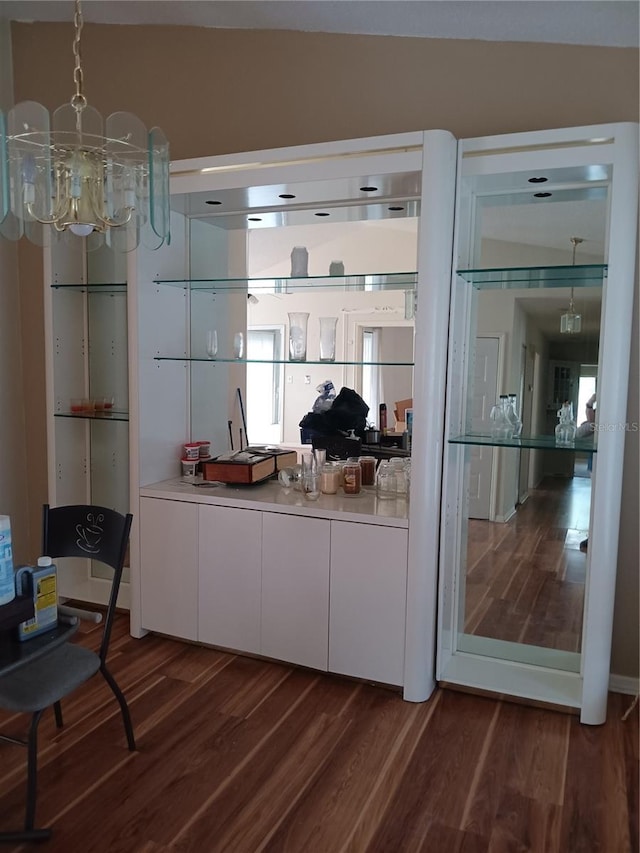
7,582
41,583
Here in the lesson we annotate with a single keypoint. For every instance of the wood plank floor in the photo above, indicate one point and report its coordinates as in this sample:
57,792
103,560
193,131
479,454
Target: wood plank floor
238,756
525,579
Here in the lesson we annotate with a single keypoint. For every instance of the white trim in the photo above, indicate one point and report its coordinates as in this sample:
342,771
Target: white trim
624,684
435,253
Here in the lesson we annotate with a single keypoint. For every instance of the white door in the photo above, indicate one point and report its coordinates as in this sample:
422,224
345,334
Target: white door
485,390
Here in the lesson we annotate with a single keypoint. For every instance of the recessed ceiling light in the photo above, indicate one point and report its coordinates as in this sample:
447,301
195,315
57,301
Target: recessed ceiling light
286,195
254,218
369,189
542,195
322,214
537,180
213,202
396,207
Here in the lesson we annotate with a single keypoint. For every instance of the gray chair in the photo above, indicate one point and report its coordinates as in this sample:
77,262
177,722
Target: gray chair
84,531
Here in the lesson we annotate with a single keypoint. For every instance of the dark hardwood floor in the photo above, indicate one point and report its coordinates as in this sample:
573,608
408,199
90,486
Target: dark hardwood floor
238,756
525,580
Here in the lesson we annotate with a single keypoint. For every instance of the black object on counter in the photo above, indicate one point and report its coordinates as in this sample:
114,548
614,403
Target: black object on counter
348,412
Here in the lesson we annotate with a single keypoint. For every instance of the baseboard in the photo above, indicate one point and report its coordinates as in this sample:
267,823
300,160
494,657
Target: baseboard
624,684
502,519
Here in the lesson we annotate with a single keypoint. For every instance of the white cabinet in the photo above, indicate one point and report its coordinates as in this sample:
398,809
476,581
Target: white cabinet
295,589
229,560
368,601
169,567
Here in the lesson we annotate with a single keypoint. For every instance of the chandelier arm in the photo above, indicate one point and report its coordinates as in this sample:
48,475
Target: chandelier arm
116,223
108,221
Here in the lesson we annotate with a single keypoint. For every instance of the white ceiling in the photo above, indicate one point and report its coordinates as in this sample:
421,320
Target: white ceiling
592,22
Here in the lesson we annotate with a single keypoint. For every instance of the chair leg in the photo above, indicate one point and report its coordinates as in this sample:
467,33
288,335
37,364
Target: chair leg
57,710
123,706
32,771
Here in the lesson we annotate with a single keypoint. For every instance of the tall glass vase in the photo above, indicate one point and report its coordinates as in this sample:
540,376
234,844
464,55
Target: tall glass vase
298,335
328,338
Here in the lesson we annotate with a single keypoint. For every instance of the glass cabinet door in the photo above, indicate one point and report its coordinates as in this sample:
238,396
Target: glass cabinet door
531,360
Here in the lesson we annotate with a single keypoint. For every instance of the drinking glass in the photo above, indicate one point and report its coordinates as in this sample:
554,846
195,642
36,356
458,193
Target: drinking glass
310,477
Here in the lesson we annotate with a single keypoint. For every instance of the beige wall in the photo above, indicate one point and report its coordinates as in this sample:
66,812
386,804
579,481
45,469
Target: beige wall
218,91
13,479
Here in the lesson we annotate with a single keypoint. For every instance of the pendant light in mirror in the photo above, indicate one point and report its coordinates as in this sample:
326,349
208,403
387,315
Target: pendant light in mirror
570,322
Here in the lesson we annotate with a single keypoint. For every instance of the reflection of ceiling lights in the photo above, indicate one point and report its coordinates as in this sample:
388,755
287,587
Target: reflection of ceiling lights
74,175
570,322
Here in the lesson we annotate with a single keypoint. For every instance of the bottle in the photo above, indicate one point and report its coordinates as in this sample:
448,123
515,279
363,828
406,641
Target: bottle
7,582
383,418
41,583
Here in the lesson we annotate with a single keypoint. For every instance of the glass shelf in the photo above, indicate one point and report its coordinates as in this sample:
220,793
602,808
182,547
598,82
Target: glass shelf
534,442
95,416
278,284
512,278
284,361
106,287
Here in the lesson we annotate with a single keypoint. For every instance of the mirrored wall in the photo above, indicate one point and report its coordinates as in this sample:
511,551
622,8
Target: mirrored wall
529,304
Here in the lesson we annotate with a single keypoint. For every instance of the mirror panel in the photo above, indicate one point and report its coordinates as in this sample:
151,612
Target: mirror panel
522,570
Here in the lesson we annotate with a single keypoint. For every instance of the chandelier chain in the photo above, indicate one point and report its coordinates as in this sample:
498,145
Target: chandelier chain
78,102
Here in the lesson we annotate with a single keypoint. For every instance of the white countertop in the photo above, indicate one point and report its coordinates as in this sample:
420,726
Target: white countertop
270,496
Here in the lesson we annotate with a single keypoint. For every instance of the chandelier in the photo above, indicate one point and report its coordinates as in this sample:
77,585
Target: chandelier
107,181
570,322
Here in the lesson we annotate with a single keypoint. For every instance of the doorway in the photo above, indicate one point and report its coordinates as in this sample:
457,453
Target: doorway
485,395
264,384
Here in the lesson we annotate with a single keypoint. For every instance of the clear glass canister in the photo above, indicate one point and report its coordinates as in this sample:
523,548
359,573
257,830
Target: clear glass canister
386,481
398,463
351,477
368,465
330,478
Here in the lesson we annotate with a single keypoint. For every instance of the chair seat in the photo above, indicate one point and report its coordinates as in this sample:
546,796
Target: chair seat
48,679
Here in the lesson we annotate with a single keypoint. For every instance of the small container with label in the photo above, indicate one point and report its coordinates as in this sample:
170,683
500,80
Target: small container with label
189,468
351,477
204,449
41,583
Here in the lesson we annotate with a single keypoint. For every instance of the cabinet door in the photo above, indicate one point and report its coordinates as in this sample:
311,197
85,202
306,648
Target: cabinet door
368,601
295,589
229,569
169,567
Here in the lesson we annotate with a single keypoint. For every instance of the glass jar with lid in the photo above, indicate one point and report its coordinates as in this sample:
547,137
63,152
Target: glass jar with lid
351,477
368,465
386,481
330,478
